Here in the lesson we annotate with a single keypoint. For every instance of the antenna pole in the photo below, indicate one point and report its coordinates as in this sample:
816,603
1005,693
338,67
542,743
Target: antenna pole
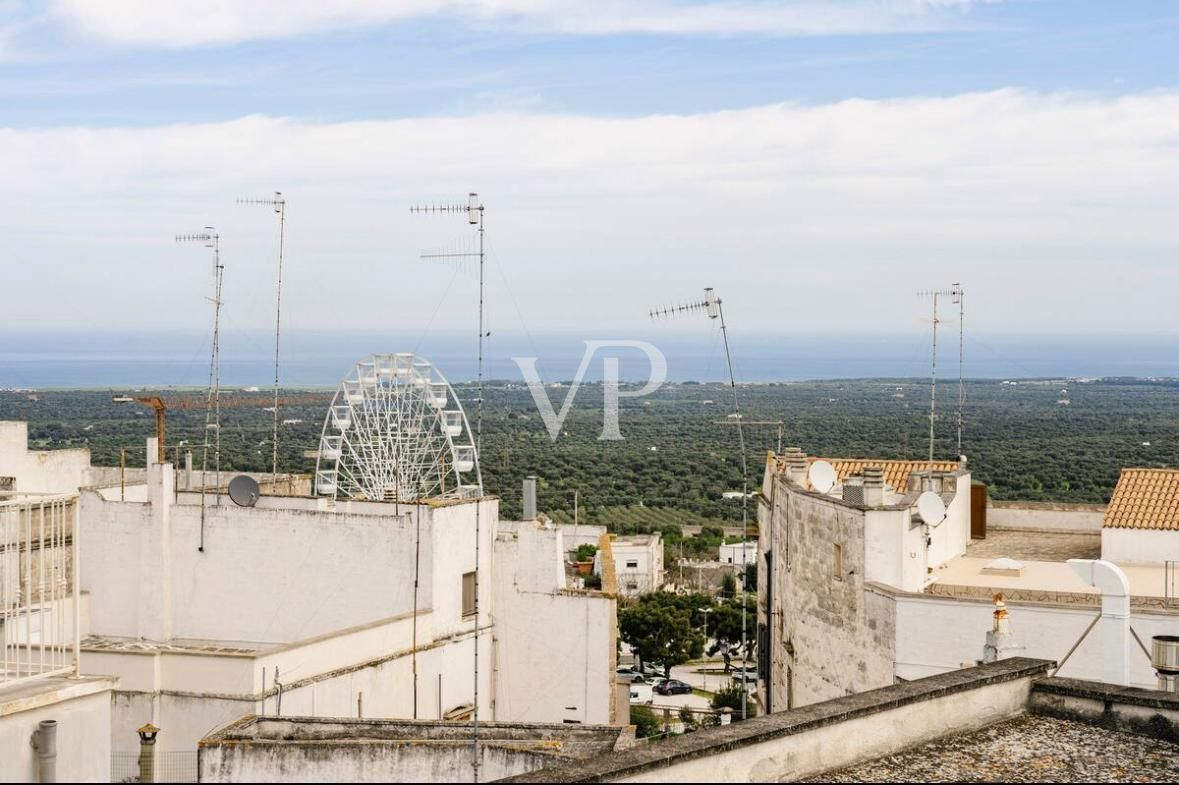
479,504
744,506
933,380
475,212
960,294
712,306
280,207
933,366
211,239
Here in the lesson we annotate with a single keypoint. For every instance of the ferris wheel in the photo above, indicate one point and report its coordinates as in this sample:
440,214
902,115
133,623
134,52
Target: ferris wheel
396,432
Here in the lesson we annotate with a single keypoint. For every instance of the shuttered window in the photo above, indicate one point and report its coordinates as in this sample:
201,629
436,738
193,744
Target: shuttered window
468,594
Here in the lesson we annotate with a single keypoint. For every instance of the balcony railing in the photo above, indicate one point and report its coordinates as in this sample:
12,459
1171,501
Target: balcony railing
38,593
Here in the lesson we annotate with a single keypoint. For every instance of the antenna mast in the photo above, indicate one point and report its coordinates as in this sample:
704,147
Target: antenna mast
211,239
474,212
934,293
280,208
711,305
959,295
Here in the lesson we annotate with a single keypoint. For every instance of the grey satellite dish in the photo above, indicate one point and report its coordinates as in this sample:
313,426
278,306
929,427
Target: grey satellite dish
822,476
244,491
931,508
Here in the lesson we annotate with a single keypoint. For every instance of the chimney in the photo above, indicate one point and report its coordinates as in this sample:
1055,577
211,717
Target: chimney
530,498
873,486
795,460
853,490
1001,643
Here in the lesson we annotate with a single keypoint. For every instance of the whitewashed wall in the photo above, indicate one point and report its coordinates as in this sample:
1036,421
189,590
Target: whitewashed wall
1139,546
83,714
39,471
935,635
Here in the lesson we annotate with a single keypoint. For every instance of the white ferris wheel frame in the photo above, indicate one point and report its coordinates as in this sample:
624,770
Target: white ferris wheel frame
396,431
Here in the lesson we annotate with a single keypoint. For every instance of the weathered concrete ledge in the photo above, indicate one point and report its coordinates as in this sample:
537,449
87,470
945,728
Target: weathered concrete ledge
1145,712
709,749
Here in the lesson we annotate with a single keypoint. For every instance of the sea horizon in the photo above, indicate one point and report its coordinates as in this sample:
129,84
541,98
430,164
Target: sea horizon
101,360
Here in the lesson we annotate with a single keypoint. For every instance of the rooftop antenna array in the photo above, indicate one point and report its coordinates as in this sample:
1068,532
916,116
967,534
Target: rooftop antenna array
935,294
711,306
280,208
473,209
211,239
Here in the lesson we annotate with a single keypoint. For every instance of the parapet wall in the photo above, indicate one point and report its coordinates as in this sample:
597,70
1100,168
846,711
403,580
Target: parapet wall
806,742
1145,712
1049,516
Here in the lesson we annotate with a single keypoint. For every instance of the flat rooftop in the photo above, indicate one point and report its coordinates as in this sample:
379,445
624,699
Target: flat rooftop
1044,555
1029,748
1031,545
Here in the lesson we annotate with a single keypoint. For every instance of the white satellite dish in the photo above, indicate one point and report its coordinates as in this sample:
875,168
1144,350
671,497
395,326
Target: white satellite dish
931,508
822,476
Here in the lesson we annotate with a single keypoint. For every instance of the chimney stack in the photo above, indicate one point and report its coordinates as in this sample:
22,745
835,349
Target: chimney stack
795,460
873,486
530,498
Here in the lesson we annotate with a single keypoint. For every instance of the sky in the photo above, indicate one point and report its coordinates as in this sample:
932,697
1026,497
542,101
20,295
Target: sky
818,163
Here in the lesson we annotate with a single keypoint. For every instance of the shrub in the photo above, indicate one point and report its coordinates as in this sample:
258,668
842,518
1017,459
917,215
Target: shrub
645,722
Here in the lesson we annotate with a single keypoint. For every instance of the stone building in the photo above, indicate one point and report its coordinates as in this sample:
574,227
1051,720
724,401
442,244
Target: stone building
826,624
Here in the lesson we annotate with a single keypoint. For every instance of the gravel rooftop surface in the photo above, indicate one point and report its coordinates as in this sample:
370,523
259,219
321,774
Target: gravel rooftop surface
1030,748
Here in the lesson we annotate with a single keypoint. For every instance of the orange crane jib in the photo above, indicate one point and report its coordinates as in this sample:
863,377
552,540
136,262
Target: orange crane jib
161,407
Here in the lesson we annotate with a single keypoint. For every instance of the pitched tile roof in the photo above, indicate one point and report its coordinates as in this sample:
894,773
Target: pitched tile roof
1145,499
896,473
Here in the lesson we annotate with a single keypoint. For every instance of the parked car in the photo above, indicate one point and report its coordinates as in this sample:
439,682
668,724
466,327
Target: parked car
673,687
640,693
655,681
749,675
632,674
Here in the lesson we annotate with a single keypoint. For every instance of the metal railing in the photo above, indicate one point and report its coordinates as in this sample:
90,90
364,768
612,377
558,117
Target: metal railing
38,593
162,766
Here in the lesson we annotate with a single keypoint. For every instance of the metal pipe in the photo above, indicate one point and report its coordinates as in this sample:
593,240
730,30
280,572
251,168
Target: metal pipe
44,741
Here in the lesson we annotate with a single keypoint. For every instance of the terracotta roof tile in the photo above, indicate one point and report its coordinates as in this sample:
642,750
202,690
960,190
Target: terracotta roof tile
896,473
1145,499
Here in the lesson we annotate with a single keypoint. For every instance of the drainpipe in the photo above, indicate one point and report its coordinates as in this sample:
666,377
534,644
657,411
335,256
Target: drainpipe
44,741
1115,614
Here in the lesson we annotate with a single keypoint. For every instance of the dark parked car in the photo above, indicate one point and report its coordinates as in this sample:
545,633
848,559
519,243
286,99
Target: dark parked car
673,687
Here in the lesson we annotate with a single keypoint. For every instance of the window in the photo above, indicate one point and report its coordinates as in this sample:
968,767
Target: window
632,565
838,562
468,594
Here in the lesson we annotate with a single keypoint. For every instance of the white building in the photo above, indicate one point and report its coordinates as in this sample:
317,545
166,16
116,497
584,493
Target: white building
638,563
860,593
1141,524
738,553
208,612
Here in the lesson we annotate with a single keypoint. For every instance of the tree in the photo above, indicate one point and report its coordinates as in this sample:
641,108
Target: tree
728,585
586,551
724,626
665,628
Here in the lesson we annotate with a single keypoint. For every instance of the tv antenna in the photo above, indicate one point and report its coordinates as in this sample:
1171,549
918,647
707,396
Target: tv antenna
211,239
935,294
959,299
280,208
473,209
711,306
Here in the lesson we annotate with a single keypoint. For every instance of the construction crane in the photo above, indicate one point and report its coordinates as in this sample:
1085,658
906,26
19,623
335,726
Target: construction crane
161,407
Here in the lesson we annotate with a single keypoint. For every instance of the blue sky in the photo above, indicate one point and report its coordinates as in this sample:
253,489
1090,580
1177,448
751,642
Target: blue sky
817,162
447,63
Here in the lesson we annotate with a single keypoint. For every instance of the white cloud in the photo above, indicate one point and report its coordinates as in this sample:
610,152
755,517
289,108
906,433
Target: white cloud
1050,207
183,23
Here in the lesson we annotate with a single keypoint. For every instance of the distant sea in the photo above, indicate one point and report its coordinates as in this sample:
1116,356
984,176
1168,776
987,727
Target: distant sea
320,359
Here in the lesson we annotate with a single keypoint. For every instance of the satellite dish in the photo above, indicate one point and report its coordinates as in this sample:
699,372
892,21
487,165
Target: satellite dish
931,508
822,476
244,491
